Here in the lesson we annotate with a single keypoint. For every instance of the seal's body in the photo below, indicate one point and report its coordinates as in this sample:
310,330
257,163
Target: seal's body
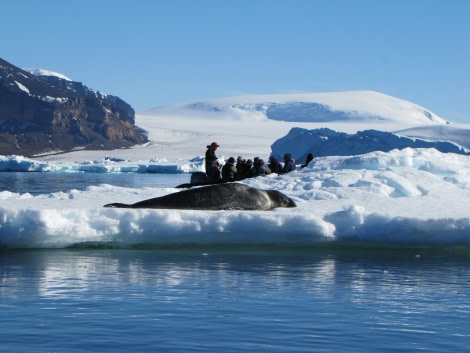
229,196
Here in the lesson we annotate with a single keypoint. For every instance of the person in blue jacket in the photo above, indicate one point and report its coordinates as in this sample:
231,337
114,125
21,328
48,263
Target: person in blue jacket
289,164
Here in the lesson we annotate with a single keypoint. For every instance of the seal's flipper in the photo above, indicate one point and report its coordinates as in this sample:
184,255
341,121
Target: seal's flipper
117,205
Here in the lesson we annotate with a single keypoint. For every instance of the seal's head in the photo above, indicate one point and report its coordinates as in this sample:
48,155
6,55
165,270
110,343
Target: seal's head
280,200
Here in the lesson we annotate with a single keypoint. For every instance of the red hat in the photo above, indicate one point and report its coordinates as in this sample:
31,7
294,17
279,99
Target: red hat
215,144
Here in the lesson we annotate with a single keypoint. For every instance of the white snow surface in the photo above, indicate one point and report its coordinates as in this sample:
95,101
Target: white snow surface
367,106
22,87
403,196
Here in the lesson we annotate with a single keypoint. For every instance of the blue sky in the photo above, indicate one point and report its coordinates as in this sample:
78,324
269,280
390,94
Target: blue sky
152,53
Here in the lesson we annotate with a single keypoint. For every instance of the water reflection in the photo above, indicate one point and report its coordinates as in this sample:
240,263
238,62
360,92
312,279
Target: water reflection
65,273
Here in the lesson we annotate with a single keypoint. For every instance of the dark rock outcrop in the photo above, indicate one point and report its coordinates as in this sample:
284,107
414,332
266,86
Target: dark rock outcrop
46,113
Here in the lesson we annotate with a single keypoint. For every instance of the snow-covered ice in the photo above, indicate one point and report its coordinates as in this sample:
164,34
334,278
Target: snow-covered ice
406,194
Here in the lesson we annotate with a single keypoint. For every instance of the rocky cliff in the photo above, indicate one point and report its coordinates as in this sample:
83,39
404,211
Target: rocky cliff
47,113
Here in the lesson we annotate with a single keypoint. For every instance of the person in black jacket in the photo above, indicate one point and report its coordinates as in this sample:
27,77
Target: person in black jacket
307,160
212,165
211,157
274,165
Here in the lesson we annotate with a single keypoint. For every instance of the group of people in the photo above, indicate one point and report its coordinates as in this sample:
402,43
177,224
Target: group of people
242,169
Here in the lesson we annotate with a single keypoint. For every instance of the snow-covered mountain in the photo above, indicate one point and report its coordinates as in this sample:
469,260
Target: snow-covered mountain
250,125
262,120
352,106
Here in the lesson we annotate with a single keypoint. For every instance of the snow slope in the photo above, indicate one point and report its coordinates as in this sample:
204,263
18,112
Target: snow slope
366,106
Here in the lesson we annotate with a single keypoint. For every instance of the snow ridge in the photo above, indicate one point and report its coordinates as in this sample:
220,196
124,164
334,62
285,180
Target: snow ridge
43,72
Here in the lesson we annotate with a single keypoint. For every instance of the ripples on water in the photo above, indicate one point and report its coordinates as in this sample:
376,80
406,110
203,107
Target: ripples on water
245,299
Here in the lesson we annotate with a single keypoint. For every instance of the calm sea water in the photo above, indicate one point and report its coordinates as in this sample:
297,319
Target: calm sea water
329,298
37,183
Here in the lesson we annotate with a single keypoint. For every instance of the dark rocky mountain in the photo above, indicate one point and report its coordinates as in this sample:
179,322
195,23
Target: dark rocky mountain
47,113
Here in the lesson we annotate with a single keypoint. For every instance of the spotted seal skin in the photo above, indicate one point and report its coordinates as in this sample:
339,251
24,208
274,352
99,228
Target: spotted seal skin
229,196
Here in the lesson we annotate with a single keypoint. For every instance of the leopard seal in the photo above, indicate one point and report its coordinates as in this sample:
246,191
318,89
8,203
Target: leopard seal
229,196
